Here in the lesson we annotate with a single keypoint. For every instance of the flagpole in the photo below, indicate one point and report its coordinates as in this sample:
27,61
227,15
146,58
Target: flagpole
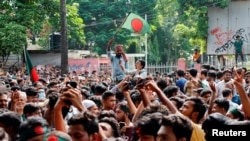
118,29
25,58
146,47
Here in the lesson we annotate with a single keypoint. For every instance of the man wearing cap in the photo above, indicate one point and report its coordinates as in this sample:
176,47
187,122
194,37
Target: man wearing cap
91,106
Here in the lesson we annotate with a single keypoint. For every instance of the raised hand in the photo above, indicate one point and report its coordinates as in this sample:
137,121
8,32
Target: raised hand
238,78
75,97
111,41
212,86
124,86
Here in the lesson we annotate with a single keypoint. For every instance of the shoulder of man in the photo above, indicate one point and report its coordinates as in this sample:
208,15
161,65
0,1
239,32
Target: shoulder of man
142,71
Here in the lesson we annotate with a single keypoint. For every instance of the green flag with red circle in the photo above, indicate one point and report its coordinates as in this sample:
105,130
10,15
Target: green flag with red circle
136,24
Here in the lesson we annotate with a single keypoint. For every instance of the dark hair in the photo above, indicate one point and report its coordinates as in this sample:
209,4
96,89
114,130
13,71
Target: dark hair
135,95
107,113
87,120
100,89
211,73
205,91
97,100
178,100
219,74
30,108
113,123
149,124
119,96
180,73
107,94
142,62
204,72
51,84
31,91
226,92
10,119
123,106
199,106
205,66
169,91
154,107
181,126
161,83
53,97
85,93
222,103
193,72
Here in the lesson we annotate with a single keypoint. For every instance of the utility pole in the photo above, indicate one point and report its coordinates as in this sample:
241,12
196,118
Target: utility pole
146,46
64,39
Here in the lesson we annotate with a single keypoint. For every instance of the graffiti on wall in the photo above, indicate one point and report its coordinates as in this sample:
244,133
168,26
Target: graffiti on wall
225,40
225,24
80,66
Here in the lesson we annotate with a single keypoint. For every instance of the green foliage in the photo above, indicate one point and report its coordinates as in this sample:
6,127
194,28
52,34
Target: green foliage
103,20
12,40
175,24
194,15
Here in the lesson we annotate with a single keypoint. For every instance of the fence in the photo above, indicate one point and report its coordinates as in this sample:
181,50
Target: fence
151,68
161,68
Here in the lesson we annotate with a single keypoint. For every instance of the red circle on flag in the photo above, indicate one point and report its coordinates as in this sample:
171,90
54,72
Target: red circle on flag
137,24
39,130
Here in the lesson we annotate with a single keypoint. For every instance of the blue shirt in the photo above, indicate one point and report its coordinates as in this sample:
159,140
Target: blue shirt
181,83
117,73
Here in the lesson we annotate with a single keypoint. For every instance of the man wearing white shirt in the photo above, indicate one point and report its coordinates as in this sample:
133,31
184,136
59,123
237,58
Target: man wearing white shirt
140,69
227,78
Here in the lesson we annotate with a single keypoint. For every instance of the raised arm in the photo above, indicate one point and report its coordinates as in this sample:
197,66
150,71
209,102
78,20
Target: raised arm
142,89
109,44
238,82
125,90
138,112
163,98
72,95
211,101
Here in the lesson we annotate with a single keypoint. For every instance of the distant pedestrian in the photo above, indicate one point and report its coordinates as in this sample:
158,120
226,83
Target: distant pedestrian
238,48
196,56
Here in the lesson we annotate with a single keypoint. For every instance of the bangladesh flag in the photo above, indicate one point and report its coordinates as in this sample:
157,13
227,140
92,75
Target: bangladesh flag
30,68
136,24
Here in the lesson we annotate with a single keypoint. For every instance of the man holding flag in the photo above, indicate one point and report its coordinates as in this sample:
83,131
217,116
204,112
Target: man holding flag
135,24
118,61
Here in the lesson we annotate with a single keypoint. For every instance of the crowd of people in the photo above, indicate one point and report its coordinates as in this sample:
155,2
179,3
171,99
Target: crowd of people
122,106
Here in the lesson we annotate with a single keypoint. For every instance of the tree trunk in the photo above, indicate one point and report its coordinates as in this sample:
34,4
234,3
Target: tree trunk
64,39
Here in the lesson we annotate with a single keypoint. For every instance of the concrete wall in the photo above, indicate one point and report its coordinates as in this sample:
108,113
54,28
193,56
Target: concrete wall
225,25
45,58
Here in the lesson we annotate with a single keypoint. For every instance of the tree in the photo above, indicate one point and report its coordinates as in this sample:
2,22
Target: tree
103,19
12,40
64,39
